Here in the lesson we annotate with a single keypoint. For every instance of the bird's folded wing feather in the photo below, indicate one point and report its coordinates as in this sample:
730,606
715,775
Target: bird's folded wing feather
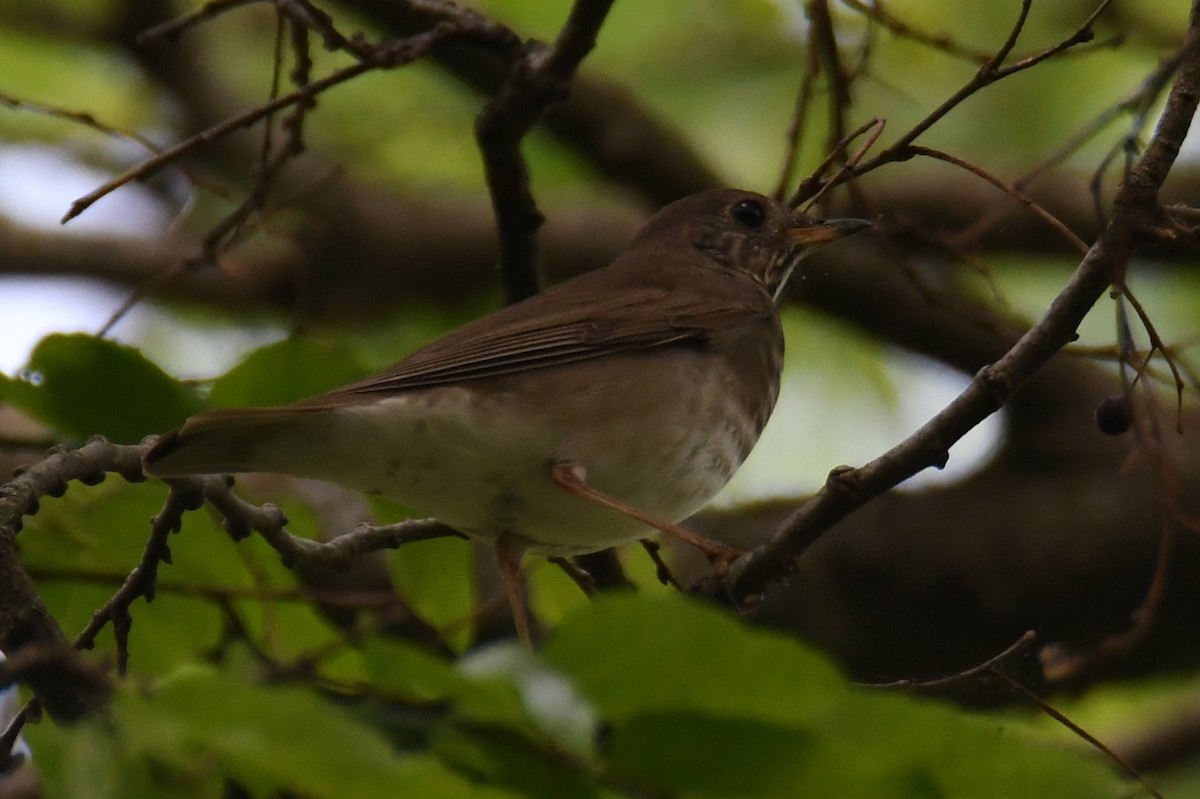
574,322
506,343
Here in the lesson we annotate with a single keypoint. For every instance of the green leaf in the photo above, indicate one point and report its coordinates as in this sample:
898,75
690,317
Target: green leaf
711,755
552,594
680,683
274,738
501,757
436,577
81,546
286,371
90,760
82,386
666,654
551,706
482,697
402,670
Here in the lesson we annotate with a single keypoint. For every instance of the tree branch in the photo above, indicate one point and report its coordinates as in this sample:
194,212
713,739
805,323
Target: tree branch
848,489
537,79
24,618
603,122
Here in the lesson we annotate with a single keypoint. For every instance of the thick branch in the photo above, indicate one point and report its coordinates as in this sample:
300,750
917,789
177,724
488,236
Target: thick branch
538,79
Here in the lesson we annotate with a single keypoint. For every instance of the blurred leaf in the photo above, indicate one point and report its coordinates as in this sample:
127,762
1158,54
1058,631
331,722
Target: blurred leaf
83,386
285,371
712,755
687,657
506,722
552,704
552,594
648,664
403,671
274,738
437,578
34,68
88,761
503,758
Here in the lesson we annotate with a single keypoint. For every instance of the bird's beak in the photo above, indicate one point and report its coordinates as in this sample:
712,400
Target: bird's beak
826,231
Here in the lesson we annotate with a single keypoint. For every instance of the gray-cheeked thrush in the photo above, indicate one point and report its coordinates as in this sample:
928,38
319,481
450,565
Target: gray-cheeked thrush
616,402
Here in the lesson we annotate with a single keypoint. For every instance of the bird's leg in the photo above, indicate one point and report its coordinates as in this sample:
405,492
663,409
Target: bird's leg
509,550
578,576
572,479
660,566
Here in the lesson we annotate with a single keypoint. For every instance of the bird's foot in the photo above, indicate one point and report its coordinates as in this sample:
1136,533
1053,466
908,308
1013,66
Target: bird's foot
572,478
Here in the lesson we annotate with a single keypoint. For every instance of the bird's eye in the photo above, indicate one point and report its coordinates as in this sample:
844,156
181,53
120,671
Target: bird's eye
749,213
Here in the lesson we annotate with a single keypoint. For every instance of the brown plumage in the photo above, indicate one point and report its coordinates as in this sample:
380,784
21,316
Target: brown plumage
652,378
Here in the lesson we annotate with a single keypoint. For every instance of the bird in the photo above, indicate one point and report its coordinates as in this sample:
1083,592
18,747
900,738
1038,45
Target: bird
614,403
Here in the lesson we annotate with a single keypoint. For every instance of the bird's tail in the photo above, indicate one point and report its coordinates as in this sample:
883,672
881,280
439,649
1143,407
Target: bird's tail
241,440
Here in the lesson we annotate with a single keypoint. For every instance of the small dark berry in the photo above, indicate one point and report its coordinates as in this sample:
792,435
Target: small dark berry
1114,415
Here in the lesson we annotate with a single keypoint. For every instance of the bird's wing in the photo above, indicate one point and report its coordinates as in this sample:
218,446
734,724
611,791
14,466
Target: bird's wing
558,327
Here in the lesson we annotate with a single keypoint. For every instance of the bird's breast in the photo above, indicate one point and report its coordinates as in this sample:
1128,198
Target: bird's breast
662,429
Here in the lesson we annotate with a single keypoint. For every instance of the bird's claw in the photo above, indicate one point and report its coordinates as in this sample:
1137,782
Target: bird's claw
720,557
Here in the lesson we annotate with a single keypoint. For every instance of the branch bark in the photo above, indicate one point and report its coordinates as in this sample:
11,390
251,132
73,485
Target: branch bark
24,619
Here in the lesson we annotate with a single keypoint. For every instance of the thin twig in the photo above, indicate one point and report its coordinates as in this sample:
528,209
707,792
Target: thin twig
985,76
1011,652
1050,219
797,125
874,128
941,42
387,56
83,118
1156,343
176,27
331,597
1058,716
140,582
173,153
847,489
822,38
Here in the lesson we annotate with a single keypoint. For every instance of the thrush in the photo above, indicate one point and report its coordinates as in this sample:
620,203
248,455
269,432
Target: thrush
609,405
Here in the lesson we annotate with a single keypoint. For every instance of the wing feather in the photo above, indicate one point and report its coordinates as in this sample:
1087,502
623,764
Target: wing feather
568,323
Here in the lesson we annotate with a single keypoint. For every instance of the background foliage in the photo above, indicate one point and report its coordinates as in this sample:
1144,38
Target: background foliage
247,678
